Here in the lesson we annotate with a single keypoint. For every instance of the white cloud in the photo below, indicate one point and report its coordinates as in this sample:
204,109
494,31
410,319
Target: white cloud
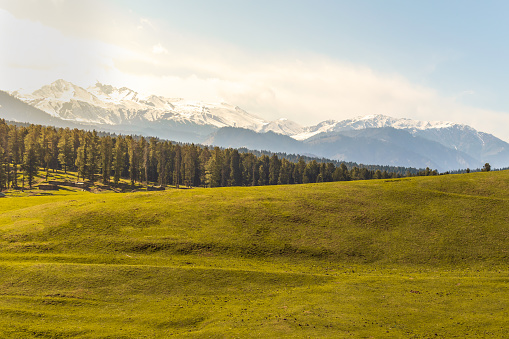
159,49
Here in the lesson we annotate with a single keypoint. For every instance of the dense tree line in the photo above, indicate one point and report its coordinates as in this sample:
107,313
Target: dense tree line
29,149
397,170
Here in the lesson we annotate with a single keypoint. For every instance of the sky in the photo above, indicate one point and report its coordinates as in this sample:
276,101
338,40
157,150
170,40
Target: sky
307,61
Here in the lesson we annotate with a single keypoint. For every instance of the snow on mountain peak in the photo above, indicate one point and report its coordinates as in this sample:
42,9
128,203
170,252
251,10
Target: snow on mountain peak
106,104
372,121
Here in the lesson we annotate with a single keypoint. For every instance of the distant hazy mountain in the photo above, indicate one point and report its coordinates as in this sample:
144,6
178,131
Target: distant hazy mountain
373,139
481,146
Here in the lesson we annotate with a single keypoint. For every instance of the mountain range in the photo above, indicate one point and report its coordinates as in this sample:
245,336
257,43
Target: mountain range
372,139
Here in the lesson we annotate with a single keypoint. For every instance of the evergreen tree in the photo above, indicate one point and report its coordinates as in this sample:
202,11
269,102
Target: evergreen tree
65,150
81,158
178,164
93,155
203,158
274,167
311,172
145,156
5,159
298,171
15,152
106,158
285,172
263,170
53,138
152,167
235,171
213,168
118,159
3,162
30,161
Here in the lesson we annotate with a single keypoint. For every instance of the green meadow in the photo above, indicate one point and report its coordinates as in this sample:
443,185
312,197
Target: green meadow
421,257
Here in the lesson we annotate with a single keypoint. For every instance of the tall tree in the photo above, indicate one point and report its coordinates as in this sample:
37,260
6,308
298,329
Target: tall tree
65,150
81,158
235,171
176,171
30,161
93,155
106,158
118,159
15,140
274,167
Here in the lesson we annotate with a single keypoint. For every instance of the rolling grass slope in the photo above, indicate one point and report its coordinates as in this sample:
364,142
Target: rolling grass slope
415,257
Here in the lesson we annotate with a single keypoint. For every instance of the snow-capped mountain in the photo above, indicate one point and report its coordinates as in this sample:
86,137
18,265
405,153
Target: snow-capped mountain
478,145
105,104
373,121
372,139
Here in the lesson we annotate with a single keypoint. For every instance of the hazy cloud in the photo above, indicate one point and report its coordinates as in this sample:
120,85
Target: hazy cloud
159,49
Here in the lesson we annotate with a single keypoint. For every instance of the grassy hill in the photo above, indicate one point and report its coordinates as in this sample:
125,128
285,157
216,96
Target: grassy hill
415,257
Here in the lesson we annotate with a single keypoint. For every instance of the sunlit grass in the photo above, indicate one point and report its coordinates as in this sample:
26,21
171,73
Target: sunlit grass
419,257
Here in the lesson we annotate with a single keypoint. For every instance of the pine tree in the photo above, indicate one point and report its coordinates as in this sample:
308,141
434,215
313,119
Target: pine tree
106,158
235,172
285,172
65,149
93,155
4,155
81,158
274,167
263,170
161,154
202,164
176,171
311,172
145,156
30,161
213,168
118,159
15,152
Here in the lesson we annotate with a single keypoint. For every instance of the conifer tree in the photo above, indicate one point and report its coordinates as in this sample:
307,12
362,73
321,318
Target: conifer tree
30,161
15,152
93,155
65,150
81,158
118,159
177,168
162,157
274,167
202,163
235,172
106,158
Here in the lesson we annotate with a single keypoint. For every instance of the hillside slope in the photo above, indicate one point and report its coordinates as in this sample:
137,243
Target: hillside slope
416,221
318,260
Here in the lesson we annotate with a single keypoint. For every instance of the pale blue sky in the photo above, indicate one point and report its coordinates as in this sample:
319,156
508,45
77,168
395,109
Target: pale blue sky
453,46
304,60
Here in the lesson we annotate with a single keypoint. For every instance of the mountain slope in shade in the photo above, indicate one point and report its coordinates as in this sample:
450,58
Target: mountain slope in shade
381,146
390,146
270,141
14,109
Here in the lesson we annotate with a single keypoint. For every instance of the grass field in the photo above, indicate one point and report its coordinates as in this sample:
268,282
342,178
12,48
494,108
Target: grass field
423,257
